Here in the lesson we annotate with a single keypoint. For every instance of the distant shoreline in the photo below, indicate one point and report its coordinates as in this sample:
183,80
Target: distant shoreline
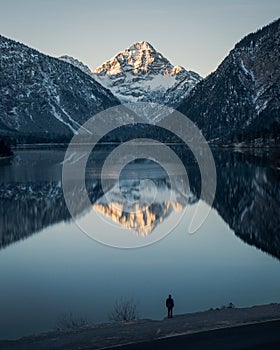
212,145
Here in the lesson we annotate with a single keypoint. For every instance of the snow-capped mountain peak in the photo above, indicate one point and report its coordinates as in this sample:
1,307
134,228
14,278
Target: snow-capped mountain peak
141,45
141,73
139,58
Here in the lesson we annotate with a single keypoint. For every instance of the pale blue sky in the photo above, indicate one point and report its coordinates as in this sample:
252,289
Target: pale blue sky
196,34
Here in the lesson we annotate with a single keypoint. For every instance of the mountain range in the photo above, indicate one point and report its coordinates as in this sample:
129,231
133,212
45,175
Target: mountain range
45,98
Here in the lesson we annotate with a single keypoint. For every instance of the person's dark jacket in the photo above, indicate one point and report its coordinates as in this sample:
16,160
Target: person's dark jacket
169,303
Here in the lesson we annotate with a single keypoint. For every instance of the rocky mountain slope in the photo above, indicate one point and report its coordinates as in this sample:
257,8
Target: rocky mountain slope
241,99
140,73
44,98
76,63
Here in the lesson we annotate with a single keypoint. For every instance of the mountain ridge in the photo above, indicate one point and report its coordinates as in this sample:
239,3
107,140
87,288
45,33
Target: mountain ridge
44,98
240,101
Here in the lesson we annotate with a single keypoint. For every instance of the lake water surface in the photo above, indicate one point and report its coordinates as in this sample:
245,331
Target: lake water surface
50,268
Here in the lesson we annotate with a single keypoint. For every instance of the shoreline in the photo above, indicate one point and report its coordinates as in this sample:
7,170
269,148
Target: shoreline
257,336
102,336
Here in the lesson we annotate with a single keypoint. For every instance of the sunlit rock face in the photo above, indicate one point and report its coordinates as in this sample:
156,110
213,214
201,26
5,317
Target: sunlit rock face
142,74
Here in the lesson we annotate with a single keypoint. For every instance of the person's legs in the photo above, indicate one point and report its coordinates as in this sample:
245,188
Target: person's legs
169,312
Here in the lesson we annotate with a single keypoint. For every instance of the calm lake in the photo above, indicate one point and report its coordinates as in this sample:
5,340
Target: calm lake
49,267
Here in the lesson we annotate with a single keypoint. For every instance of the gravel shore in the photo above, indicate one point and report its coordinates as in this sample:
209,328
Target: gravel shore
109,335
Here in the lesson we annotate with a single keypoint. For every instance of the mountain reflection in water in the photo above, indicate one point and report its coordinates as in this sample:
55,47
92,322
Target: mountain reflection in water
141,206
247,197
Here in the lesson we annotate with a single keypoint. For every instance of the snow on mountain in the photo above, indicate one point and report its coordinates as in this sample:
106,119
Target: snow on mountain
44,98
76,63
241,99
141,74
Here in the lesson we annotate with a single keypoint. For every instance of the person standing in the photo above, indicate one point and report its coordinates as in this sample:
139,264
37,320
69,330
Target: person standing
169,304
